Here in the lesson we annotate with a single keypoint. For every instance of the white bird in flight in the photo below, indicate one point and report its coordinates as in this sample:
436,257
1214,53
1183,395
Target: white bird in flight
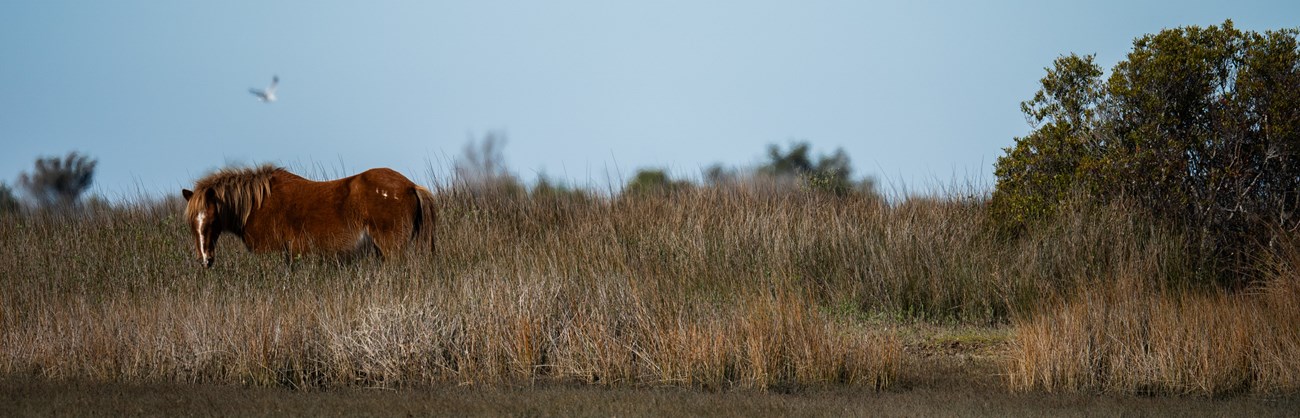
267,95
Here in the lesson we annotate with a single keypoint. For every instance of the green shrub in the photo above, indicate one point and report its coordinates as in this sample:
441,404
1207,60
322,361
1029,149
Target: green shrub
653,181
1198,126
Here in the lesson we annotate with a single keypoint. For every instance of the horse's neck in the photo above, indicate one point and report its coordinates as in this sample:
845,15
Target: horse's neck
232,223
286,176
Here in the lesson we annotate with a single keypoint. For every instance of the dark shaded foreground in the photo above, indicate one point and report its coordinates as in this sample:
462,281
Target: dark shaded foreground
88,399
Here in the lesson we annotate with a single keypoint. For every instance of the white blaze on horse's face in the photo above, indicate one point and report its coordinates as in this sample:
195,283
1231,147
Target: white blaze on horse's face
207,226
198,230
206,231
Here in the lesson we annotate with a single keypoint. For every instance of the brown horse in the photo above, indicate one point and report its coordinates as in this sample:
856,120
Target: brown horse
272,209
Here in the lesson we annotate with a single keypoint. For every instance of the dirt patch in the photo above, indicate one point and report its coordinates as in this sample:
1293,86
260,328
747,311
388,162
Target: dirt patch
938,357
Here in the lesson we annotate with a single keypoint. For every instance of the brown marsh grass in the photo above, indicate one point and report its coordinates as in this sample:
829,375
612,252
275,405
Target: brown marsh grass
524,290
1131,336
701,287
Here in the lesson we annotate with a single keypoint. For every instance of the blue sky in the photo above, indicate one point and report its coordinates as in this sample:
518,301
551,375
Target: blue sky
921,94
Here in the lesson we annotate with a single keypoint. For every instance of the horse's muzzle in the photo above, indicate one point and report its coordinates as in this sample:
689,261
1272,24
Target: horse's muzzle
207,262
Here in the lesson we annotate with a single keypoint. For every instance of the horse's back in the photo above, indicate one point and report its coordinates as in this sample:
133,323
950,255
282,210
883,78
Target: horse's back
336,215
385,176
380,186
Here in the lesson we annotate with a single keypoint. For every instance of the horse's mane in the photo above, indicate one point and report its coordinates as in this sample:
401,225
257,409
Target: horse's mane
237,190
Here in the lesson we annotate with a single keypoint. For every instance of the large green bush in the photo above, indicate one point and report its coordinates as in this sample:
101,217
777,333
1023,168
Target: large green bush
1199,126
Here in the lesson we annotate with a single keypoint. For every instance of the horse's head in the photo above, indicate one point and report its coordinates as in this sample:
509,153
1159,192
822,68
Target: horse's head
201,214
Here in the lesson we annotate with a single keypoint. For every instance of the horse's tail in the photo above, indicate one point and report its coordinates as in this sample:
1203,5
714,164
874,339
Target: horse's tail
426,219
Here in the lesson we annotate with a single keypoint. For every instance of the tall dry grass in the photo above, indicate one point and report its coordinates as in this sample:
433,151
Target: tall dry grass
523,289
1131,336
707,287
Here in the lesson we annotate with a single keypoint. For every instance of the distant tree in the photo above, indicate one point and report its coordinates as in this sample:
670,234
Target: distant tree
718,175
653,181
829,173
794,162
482,166
545,187
8,203
59,183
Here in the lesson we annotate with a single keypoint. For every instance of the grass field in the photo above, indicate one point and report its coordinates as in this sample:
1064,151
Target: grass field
702,289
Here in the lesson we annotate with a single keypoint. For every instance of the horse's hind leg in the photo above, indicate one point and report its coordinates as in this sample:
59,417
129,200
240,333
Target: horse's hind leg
386,246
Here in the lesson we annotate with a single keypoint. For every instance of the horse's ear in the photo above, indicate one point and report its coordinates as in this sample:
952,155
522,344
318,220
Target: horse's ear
187,193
